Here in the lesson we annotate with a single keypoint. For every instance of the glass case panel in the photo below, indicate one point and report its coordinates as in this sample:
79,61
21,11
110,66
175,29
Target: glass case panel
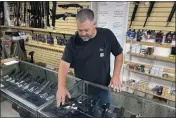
92,100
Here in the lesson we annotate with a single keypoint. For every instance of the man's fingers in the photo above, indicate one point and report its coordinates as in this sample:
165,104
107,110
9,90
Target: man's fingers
58,101
63,100
114,88
110,84
117,88
68,94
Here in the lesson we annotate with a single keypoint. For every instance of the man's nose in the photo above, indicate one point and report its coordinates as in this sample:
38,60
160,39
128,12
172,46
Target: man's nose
83,33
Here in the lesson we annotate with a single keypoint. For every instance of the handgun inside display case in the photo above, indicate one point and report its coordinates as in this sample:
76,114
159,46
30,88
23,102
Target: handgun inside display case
31,86
89,100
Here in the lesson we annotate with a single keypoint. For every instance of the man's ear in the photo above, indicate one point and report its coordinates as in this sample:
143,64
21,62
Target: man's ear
95,23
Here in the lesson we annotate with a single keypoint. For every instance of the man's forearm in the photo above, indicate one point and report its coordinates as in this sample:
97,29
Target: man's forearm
62,74
118,65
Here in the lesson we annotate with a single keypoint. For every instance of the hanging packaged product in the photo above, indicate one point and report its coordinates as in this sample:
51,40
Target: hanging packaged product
131,34
43,39
159,37
139,35
147,35
59,42
34,37
173,38
50,39
168,38
153,35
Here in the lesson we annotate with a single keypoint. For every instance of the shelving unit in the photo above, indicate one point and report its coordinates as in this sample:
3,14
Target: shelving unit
3,26
172,79
169,97
53,48
158,77
167,59
164,45
151,59
41,30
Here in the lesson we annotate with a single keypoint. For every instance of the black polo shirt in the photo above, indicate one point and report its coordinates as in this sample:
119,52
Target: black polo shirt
91,59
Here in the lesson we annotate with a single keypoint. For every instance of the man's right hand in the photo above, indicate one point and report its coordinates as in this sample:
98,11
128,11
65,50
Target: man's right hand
62,92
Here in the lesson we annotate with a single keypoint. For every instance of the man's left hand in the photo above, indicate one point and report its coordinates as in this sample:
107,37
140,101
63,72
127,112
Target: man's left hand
115,84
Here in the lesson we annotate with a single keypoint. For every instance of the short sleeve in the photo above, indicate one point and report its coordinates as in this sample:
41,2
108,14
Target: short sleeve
116,48
68,51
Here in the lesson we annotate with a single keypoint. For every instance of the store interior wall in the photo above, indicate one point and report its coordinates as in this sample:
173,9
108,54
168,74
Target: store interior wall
157,21
50,55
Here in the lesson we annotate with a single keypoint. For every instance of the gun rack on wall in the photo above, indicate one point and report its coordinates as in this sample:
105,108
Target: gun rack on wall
158,17
49,53
158,20
29,29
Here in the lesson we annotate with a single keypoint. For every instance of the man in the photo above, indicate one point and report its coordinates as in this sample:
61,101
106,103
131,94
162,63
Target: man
88,52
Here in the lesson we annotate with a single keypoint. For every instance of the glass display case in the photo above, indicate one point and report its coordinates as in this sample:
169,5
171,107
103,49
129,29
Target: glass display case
30,86
89,100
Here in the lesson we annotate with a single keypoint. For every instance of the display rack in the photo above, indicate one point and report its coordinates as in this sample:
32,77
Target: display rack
52,48
158,77
147,91
151,59
42,30
164,45
166,59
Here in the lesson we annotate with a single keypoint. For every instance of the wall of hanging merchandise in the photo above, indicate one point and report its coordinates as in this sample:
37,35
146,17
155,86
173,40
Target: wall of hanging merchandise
47,46
47,37
59,16
150,51
158,18
157,21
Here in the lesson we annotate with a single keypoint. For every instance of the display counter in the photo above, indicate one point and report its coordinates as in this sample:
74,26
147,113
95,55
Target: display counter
90,100
30,86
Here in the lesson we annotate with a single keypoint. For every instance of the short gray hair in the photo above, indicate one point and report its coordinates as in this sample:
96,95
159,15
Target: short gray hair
85,14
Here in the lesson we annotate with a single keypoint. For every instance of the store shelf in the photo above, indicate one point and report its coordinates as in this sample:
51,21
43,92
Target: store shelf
166,70
167,59
48,47
169,97
163,45
42,30
7,60
158,77
3,26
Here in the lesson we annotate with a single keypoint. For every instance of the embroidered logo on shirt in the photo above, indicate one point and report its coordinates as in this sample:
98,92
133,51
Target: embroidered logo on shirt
102,54
101,49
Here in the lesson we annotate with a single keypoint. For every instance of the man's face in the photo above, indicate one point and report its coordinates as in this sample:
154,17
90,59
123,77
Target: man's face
86,29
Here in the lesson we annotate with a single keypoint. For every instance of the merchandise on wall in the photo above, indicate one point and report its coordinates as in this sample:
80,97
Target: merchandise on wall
150,56
148,72
47,26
